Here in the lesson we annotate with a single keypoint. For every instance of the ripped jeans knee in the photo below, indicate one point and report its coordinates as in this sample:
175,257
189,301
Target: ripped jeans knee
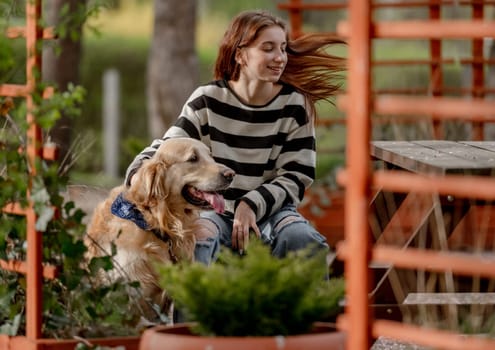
207,242
293,232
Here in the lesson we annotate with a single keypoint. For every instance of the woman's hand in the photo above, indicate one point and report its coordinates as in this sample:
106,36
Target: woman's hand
244,221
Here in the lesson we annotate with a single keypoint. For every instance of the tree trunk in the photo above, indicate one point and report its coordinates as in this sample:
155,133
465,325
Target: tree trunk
173,70
61,66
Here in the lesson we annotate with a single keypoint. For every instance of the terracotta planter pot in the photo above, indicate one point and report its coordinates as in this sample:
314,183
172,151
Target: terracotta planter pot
179,337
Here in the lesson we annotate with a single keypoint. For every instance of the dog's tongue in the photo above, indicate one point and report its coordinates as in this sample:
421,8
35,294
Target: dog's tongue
216,201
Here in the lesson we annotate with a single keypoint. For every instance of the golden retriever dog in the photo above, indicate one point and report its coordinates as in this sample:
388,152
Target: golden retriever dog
153,220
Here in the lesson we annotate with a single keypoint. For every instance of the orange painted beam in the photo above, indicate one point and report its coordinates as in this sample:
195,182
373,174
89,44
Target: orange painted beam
18,90
474,109
330,122
418,29
428,90
14,90
398,62
433,338
20,32
298,5
49,271
295,18
466,264
423,336
436,70
14,209
343,5
480,187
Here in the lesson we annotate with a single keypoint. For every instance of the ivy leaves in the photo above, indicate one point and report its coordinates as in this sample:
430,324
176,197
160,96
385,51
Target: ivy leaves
75,303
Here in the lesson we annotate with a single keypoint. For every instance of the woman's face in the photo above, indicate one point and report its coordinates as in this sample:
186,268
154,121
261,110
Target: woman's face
265,58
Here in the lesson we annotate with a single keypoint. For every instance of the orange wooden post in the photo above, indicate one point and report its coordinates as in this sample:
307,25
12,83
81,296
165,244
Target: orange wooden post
357,232
34,150
477,79
436,76
295,18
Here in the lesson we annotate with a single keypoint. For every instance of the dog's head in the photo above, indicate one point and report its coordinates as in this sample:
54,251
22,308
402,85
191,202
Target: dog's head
181,177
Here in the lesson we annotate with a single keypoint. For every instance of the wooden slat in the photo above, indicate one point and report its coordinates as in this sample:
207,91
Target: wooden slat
314,6
18,32
444,60
433,338
446,108
418,336
486,145
450,298
429,90
479,187
14,209
17,209
436,156
376,4
19,90
440,261
427,29
49,271
14,90
483,156
384,343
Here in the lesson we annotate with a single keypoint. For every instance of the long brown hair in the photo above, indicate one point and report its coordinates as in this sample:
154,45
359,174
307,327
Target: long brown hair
310,69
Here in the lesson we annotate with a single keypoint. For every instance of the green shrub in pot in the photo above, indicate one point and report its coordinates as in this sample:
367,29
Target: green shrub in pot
255,294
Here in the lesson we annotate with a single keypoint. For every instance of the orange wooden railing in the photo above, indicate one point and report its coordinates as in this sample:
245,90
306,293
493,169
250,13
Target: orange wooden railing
414,30
413,106
34,269
359,177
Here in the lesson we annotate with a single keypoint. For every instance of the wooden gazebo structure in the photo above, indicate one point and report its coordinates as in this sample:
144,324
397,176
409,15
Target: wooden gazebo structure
34,269
360,179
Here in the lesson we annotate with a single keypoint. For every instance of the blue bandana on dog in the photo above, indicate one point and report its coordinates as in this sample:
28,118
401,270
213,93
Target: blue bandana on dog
126,210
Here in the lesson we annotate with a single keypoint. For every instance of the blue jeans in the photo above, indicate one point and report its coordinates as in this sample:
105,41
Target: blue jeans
284,231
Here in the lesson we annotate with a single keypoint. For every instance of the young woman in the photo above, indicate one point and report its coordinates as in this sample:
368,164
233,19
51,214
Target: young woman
257,117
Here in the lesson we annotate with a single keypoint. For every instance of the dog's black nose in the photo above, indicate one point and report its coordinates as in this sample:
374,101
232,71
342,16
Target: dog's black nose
228,174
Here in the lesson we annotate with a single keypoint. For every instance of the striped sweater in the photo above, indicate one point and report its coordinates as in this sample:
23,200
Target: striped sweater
271,148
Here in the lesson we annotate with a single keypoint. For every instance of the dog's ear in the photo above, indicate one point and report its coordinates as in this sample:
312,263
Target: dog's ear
152,180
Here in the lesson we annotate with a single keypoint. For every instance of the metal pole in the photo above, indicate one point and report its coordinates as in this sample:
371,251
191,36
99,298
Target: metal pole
111,121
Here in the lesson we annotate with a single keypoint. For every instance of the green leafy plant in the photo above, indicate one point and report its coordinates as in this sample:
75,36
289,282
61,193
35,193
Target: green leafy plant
255,294
74,303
